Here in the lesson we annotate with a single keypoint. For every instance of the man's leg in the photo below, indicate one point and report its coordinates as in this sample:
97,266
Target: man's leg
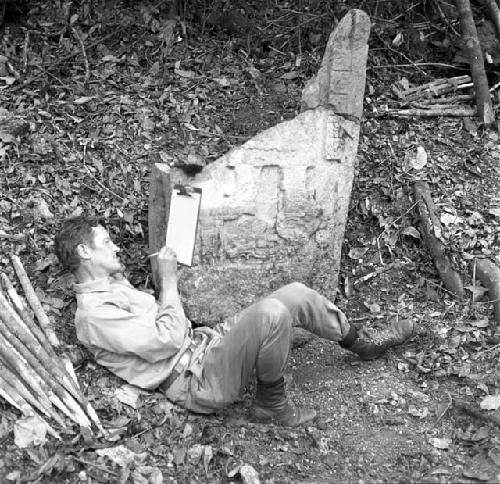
312,311
258,337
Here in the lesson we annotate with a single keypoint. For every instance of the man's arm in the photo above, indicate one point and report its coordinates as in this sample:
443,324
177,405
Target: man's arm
152,335
167,272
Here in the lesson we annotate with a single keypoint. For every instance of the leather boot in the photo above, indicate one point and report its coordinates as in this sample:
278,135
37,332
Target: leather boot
371,346
271,405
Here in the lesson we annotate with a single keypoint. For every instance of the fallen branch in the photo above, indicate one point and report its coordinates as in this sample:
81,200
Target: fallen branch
489,275
33,301
432,231
447,100
457,112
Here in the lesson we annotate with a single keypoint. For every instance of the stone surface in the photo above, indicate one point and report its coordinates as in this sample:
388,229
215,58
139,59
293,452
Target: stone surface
278,203
340,82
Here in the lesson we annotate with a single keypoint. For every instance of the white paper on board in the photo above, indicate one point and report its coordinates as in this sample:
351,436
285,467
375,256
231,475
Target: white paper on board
183,221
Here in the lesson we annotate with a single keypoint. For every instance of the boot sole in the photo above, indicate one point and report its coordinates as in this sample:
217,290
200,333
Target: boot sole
267,419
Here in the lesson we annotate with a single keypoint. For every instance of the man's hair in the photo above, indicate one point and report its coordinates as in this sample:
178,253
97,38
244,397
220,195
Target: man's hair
74,231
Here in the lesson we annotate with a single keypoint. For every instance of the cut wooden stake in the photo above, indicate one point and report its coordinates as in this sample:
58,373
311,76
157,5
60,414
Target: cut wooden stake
25,315
432,232
32,347
75,411
48,357
42,405
33,301
40,365
86,404
10,394
23,369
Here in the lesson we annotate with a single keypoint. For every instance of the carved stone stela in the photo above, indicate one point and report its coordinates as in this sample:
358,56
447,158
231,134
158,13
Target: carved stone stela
284,195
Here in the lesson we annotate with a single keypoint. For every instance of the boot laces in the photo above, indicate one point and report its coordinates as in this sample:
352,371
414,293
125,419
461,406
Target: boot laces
378,337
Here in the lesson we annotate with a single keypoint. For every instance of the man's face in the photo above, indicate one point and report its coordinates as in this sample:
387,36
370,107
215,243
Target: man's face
102,253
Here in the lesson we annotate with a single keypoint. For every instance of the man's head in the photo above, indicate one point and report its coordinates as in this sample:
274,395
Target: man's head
84,247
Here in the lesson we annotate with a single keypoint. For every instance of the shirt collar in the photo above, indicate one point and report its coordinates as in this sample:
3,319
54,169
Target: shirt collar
98,285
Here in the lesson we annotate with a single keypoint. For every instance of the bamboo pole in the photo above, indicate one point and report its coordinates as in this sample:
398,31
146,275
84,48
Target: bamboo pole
33,301
10,394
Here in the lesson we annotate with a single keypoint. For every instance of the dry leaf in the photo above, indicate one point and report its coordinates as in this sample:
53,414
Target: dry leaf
129,395
420,159
357,252
440,443
29,431
490,402
249,475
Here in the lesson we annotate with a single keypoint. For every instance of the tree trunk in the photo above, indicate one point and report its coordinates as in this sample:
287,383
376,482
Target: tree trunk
469,35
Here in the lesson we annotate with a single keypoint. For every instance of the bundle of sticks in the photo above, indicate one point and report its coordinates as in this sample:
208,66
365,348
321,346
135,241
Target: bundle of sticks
33,377
441,97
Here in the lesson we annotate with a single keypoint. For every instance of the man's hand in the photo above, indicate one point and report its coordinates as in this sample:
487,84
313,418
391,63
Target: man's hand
167,271
167,264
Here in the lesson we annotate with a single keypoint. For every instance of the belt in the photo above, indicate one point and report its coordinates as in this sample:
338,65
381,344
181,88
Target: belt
177,370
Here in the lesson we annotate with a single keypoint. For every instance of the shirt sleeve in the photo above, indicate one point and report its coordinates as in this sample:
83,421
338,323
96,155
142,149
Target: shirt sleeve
152,335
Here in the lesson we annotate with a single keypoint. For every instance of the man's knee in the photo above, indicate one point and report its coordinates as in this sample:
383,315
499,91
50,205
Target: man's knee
276,318
297,286
273,309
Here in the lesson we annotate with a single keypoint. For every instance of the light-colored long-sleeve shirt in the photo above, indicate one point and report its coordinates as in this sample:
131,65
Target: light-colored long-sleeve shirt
129,333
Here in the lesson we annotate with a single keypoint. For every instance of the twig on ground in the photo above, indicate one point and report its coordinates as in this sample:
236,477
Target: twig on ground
417,64
414,64
84,54
64,59
481,353
25,51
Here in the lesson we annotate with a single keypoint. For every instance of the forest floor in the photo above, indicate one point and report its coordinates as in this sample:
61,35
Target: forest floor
89,148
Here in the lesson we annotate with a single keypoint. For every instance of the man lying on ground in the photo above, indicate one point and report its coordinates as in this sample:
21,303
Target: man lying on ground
151,343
